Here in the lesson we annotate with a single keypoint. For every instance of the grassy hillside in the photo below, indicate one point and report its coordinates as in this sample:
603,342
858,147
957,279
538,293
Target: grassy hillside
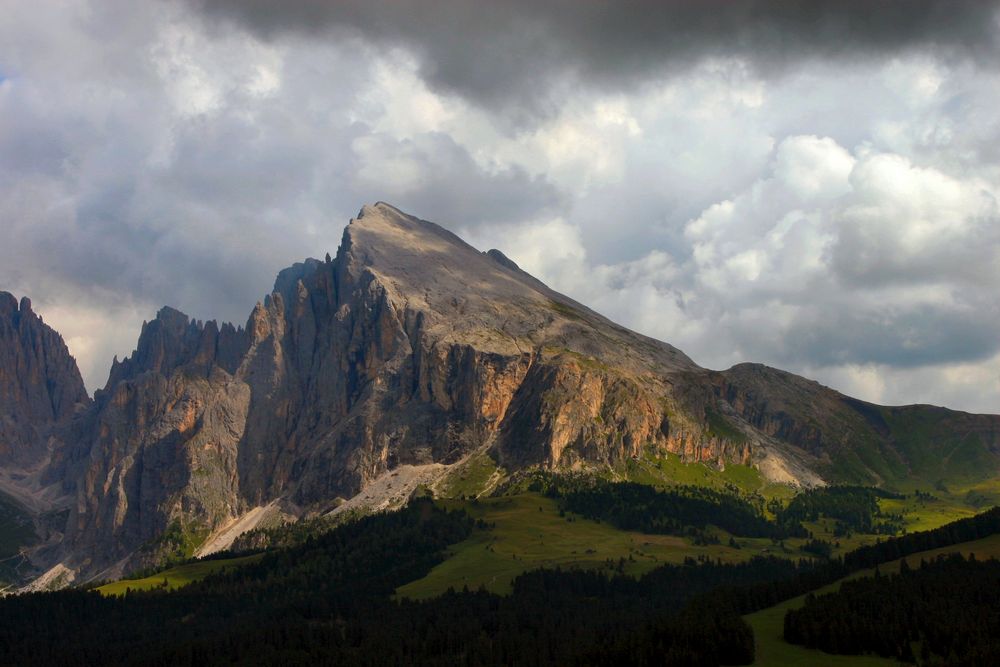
768,624
939,444
470,478
529,533
176,577
669,469
480,474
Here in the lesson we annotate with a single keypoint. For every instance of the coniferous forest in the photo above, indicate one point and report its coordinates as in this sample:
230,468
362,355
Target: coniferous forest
944,612
631,506
854,508
330,599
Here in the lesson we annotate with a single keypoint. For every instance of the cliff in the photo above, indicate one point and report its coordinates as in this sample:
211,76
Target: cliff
40,385
410,350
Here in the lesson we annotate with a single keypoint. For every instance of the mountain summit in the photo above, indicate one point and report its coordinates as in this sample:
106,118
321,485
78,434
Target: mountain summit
379,369
40,384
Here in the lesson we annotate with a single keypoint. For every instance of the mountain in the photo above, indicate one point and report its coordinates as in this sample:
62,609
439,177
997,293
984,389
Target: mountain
41,392
853,441
410,348
40,385
378,370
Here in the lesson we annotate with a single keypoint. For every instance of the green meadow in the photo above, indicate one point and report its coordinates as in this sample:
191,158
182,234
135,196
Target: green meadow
670,469
175,577
469,478
528,533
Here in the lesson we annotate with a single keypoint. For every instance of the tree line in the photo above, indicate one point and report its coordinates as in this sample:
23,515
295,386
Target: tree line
854,508
945,612
330,599
631,506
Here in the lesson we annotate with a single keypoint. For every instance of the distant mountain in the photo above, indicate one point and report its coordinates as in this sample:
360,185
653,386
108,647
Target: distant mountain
401,356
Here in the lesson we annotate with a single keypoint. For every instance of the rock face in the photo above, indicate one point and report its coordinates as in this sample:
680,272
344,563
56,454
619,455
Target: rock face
411,348
40,385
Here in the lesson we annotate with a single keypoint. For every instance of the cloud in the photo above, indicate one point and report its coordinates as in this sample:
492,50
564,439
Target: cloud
524,55
549,249
873,253
973,387
94,335
808,184
433,175
175,165
855,267
908,224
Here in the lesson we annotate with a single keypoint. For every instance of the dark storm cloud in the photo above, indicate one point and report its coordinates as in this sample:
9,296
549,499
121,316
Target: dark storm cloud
152,154
519,54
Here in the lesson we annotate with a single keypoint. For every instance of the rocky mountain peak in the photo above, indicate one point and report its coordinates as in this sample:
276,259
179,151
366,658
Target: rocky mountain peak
412,348
173,340
40,384
288,279
8,304
502,259
13,309
483,299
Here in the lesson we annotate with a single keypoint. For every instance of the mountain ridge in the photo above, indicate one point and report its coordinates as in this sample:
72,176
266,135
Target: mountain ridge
413,349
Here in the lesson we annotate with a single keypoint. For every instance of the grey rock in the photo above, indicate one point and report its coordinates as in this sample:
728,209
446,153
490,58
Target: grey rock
40,384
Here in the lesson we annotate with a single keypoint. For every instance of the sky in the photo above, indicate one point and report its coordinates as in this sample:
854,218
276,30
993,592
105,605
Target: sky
810,184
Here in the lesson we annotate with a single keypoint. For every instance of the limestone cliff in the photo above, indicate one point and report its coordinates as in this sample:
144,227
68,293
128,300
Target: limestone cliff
412,348
40,385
